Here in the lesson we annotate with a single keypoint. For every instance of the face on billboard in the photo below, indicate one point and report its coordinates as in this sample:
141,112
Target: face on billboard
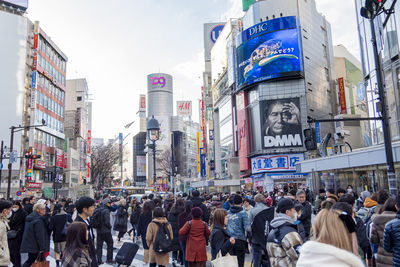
281,123
270,55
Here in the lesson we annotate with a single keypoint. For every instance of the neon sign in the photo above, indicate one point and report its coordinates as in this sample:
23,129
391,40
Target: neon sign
158,81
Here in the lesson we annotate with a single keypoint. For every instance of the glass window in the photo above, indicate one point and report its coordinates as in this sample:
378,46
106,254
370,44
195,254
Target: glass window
225,110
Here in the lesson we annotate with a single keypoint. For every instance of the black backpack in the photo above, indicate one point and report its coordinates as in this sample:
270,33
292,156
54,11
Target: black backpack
163,241
95,220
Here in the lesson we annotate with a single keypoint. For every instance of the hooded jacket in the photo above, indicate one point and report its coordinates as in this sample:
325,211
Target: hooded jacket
391,239
35,238
5,253
198,202
238,223
365,213
316,254
283,242
378,225
152,229
105,220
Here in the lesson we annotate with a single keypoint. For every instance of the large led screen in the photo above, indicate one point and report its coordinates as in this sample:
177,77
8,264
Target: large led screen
269,55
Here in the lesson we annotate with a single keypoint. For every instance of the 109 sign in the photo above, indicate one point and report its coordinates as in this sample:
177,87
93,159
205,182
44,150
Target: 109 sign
160,81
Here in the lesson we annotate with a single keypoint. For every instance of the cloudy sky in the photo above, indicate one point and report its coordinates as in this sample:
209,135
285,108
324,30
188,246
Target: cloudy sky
115,44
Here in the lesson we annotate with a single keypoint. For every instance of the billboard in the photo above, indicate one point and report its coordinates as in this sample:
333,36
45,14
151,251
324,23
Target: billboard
17,3
142,103
165,131
140,165
342,96
275,163
281,123
211,34
243,131
271,49
184,108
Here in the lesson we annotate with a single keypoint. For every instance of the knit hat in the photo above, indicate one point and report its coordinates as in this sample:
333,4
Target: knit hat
197,212
105,201
259,198
284,205
365,194
237,200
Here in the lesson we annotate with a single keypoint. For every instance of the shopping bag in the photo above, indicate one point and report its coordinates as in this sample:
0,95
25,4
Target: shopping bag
41,261
225,261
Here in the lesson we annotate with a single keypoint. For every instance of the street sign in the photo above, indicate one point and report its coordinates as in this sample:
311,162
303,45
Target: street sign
18,193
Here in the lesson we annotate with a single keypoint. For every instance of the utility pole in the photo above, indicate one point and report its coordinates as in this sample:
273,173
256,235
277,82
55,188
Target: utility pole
154,165
9,162
1,159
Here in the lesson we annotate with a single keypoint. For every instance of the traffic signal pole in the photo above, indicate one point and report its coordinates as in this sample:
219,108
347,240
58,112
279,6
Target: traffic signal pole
9,163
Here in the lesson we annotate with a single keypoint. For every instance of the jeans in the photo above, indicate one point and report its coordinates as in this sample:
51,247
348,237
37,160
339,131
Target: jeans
239,250
258,255
101,238
15,258
183,246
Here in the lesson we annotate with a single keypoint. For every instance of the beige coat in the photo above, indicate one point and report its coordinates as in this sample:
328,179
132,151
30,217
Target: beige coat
154,257
4,252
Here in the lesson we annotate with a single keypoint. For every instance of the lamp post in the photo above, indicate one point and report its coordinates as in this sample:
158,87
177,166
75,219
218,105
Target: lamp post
153,131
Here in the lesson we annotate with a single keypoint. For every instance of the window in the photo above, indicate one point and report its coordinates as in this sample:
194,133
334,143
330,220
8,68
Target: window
325,50
79,98
327,74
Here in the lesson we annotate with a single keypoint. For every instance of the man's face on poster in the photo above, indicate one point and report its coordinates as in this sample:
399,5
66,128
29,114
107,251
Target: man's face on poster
277,118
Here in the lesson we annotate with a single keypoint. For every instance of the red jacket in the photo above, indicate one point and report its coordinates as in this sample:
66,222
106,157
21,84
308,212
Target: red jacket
196,242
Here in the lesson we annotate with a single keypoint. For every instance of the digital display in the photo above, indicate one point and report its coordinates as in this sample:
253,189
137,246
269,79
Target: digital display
269,52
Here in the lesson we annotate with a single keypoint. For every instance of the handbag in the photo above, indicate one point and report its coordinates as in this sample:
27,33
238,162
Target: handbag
41,261
12,234
224,261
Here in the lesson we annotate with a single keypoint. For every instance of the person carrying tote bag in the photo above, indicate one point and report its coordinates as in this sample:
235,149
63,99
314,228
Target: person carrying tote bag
224,261
41,261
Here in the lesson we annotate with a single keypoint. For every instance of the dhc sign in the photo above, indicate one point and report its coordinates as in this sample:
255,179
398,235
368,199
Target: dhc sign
214,33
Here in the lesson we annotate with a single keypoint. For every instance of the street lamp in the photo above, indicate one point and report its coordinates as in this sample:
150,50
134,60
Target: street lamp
153,131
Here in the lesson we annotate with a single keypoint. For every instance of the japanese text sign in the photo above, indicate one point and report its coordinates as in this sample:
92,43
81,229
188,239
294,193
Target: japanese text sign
275,163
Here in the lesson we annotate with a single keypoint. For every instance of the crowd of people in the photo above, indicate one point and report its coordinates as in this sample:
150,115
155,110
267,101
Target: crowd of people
281,228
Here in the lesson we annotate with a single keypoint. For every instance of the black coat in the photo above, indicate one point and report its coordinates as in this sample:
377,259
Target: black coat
28,208
35,238
198,202
17,223
57,224
173,220
305,217
121,219
219,241
105,220
144,220
134,219
92,250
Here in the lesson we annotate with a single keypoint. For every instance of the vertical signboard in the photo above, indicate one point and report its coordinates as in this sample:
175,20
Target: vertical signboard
202,163
198,152
243,136
211,34
120,148
342,96
142,103
89,141
318,132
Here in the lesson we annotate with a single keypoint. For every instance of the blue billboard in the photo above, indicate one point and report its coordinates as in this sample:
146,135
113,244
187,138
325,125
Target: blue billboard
269,50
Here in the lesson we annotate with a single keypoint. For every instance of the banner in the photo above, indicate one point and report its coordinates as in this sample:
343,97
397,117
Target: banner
342,95
140,165
281,123
275,163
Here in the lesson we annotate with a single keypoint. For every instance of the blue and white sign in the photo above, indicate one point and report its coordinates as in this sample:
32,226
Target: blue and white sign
318,132
211,34
275,163
215,32
361,91
34,79
285,176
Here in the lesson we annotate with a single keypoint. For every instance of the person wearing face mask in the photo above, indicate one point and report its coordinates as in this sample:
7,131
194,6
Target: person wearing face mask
284,242
17,223
351,191
5,212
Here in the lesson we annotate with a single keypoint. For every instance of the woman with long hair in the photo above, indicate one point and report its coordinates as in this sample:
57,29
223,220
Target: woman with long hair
332,242
184,217
173,215
144,219
17,224
220,240
76,252
121,220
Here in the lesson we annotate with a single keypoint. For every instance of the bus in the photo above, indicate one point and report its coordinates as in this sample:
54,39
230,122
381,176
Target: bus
124,191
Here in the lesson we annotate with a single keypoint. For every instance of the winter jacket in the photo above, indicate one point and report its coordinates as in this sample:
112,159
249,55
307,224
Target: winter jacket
143,223
317,203
238,223
226,205
259,225
17,223
57,223
316,254
391,239
92,250
283,242
79,258
301,230
219,241
379,221
28,208
134,219
305,217
361,233
257,208
196,241
365,213
198,202
155,257
35,238
105,220
5,253
121,219
183,217
173,220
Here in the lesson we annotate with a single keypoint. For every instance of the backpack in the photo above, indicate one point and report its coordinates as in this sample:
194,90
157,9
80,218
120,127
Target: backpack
163,241
95,220
365,214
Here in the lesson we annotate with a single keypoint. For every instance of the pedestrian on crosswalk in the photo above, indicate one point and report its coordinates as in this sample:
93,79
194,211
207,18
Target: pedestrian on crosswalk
76,252
220,240
184,217
104,232
85,207
57,224
121,220
176,209
143,222
5,212
17,223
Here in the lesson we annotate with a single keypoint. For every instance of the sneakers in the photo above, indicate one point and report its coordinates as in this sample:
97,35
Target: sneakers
110,262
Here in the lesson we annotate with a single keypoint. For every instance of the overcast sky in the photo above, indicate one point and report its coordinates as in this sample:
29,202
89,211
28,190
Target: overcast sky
115,44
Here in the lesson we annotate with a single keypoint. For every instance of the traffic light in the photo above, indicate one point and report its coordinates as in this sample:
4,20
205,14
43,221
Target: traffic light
33,156
371,8
310,139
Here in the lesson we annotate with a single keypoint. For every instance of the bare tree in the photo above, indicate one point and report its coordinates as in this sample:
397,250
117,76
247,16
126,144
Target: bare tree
164,163
103,159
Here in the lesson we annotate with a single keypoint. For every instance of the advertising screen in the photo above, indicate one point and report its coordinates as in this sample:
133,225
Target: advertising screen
141,165
270,50
281,123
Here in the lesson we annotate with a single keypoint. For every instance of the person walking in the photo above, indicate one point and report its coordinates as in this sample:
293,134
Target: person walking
238,225
384,258
77,249
29,206
143,223
35,240
176,209
197,234
283,240
58,221
156,258
85,207
184,217
134,219
5,212
391,235
332,244
198,202
319,199
104,233
121,220
306,212
220,240
17,224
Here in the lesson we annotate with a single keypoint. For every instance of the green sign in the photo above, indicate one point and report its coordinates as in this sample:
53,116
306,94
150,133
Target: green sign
48,192
247,4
